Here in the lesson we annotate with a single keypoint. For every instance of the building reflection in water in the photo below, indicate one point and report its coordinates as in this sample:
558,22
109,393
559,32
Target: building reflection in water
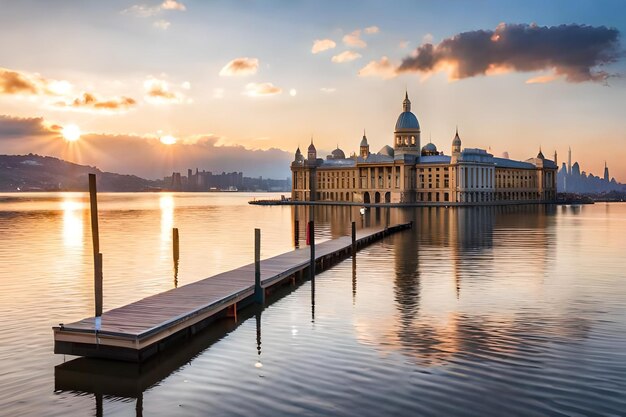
431,320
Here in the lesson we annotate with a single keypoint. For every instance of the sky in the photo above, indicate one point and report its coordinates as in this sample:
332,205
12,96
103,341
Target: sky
238,86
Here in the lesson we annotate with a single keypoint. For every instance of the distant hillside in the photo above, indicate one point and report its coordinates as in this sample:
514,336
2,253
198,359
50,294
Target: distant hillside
43,173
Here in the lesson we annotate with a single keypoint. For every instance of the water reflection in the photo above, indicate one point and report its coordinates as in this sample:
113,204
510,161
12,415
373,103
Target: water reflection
471,300
166,204
72,222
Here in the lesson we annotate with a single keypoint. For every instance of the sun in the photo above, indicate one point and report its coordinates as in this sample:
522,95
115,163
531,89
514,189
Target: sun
71,133
168,140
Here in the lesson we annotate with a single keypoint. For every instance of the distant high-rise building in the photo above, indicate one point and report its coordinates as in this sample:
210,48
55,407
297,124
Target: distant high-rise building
569,161
606,172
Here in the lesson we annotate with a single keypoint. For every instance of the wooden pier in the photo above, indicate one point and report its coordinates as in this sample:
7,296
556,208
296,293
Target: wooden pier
141,329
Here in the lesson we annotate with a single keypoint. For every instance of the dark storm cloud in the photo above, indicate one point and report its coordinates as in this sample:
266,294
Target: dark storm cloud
16,127
576,52
139,155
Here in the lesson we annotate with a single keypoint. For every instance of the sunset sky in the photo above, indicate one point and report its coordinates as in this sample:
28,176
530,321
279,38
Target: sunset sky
239,85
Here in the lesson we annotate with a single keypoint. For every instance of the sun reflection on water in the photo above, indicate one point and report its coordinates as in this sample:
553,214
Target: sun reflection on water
166,203
72,223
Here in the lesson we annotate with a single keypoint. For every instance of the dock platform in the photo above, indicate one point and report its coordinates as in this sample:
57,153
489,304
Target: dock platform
139,330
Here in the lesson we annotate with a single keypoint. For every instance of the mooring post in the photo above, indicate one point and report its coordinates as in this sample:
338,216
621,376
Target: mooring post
353,238
97,256
175,244
296,233
259,293
312,243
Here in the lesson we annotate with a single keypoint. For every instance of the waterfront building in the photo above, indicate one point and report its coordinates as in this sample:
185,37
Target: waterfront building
409,173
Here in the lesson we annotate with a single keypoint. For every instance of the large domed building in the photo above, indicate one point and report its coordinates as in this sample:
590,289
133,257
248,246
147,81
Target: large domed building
410,174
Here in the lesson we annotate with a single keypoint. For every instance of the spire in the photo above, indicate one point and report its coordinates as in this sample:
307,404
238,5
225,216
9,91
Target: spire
540,154
406,104
457,130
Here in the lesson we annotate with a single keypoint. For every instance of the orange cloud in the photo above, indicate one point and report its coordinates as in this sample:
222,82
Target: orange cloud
158,92
12,82
262,89
353,39
345,56
320,45
240,67
90,101
173,5
382,68
542,79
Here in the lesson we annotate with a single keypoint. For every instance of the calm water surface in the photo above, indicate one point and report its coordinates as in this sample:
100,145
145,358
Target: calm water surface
476,311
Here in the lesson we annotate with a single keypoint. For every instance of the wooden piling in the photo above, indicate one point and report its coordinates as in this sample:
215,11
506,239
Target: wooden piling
175,244
296,233
259,292
312,246
353,238
95,236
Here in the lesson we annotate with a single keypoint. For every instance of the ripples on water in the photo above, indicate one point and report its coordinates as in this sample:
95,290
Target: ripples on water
476,311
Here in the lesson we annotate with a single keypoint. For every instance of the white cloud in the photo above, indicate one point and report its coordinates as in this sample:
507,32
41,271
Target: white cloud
371,29
328,89
186,85
161,24
262,89
354,39
428,38
240,67
345,56
320,45
143,10
293,92
382,68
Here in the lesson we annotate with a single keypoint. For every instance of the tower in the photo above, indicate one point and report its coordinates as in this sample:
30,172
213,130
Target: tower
569,161
407,133
456,142
364,147
606,172
312,152
555,160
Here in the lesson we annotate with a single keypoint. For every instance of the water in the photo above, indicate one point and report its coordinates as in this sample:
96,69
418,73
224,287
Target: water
476,311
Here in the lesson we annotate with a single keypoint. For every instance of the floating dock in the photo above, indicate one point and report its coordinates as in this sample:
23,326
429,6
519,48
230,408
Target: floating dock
141,329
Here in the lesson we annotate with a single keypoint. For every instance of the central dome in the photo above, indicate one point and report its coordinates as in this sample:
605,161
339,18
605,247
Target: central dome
407,121
338,154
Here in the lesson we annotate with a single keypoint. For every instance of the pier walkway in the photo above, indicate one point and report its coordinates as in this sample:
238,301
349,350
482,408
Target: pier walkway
138,330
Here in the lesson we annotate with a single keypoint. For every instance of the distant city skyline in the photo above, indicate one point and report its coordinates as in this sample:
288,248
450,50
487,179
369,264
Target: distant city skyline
153,87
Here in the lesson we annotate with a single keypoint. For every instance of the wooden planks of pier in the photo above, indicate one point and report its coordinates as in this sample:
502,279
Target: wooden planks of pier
138,330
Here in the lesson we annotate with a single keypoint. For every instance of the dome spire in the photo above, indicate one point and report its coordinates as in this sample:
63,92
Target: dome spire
406,104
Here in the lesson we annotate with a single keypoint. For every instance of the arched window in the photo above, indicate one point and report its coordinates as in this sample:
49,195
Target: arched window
412,140
406,140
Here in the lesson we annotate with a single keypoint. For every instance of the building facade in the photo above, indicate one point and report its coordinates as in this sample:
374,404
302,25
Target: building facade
409,173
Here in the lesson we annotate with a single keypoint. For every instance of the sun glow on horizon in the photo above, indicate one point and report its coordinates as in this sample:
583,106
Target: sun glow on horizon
168,140
71,133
